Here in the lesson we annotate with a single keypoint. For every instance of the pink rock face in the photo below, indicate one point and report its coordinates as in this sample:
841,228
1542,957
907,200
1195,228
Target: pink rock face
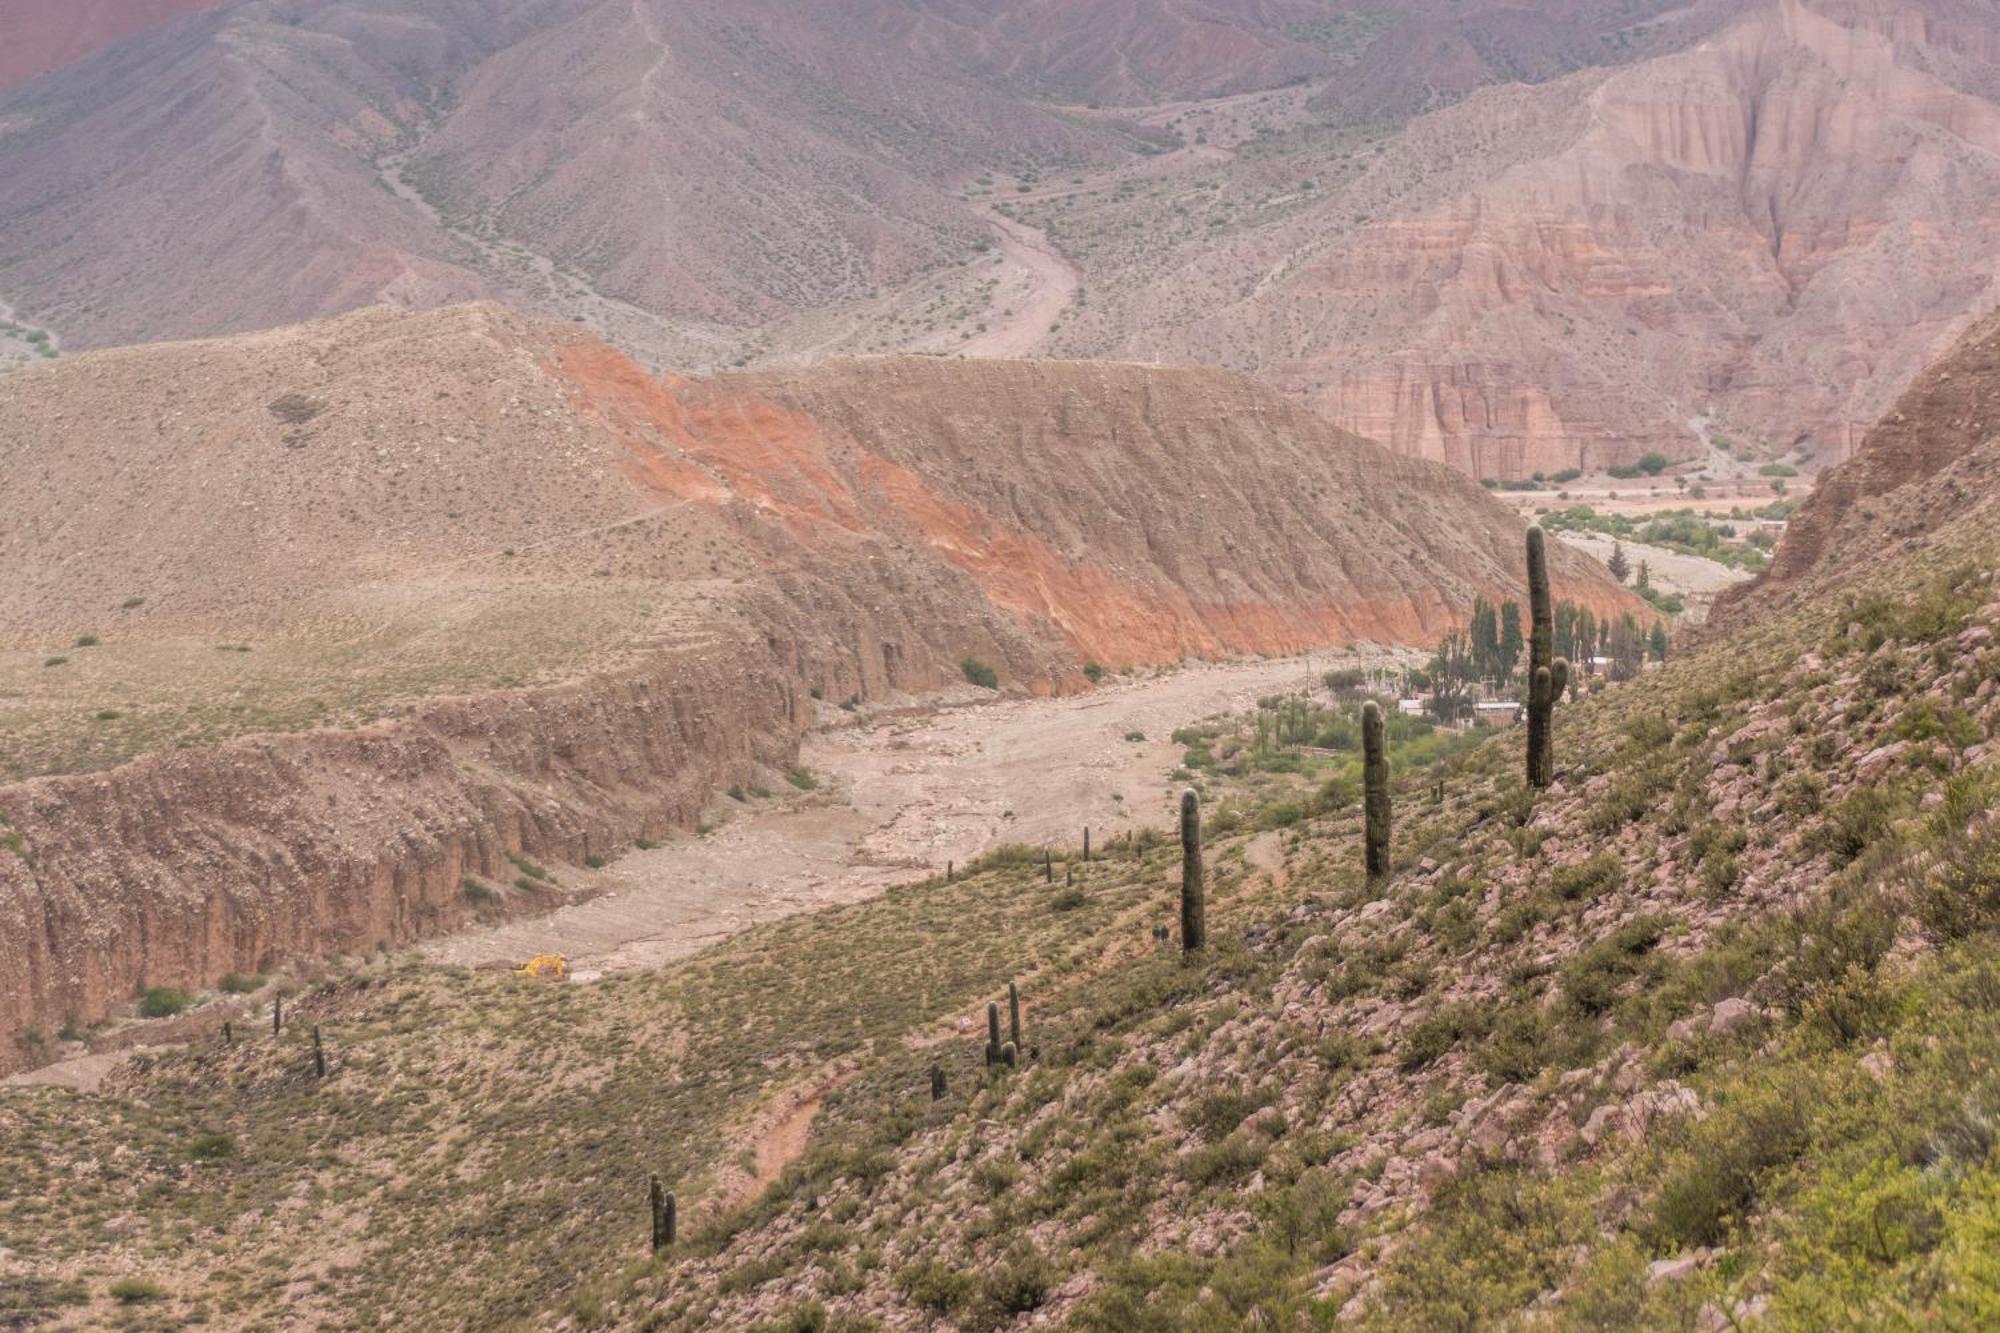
1774,231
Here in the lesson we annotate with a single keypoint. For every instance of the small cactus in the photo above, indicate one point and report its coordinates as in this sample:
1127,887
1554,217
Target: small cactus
1086,842
1014,1013
992,1032
319,1055
1194,918
937,1082
1010,1054
277,1013
1048,866
1375,789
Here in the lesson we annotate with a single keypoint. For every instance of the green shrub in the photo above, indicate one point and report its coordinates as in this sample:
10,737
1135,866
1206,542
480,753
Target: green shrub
929,1285
1095,671
164,1002
240,983
1962,898
980,674
802,777
1591,980
1015,1288
133,1290
1856,824
1589,879
1709,1196
211,1147
1068,900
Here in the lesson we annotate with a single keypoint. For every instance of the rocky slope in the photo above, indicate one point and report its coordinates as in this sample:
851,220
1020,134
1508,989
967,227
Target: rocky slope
1931,460
1701,1035
513,596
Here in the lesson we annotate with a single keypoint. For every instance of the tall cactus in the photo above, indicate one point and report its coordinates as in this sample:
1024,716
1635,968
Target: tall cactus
1541,661
992,1033
664,1214
1375,788
1194,917
1014,1012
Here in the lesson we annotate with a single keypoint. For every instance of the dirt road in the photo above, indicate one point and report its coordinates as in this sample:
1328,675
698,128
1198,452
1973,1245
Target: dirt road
899,799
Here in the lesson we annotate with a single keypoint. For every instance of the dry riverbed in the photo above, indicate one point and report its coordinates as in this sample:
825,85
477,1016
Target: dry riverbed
901,797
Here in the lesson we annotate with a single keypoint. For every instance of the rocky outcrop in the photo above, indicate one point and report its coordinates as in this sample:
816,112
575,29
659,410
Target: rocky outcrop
1933,459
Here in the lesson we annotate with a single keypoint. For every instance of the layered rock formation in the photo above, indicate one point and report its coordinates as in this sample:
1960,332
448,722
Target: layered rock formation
1760,238
338,615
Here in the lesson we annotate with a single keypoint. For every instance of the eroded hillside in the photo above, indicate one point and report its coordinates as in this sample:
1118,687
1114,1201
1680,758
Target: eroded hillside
327,619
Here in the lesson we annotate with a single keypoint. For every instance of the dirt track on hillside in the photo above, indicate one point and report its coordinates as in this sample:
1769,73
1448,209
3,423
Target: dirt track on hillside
900,798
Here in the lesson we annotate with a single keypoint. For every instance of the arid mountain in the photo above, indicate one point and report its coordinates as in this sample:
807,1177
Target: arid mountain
1511,238
328,617
45,34
1931,463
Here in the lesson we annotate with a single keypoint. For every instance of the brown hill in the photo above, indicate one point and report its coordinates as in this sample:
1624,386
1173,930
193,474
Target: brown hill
325,619
1932,460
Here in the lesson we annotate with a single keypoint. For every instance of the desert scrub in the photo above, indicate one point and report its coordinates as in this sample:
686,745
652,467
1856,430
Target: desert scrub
1587,880
135,1291
164,1002
980,674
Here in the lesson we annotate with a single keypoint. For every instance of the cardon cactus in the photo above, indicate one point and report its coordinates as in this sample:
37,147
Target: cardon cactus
992,1032
1194,918
1014,1013
663,1206
1375,789
1542,686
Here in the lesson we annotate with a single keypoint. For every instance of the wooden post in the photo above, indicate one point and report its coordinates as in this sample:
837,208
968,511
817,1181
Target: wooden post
277,1013
1048,866
947,871
1086,842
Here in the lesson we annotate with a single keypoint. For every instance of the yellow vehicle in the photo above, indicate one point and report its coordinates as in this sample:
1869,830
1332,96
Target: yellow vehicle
544,965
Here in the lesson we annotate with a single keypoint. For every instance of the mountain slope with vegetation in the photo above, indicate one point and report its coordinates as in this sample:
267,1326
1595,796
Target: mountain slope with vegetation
1702,1032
